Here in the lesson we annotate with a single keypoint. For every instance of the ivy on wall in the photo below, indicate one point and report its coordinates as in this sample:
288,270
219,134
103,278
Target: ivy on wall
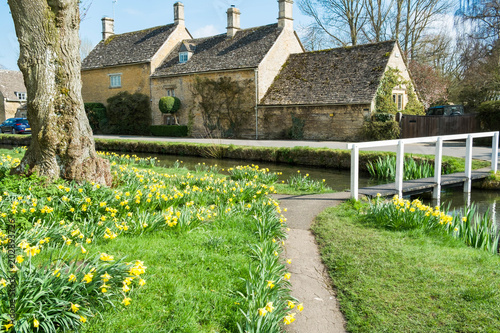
383,100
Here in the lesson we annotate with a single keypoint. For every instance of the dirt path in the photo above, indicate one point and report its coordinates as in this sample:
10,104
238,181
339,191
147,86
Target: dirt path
310,281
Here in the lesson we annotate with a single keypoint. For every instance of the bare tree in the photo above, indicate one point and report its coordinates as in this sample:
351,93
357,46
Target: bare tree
419,14
377,13
62,144
340,20
85,47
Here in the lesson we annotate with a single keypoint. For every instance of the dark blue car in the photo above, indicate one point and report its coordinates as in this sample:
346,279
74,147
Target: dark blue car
15,126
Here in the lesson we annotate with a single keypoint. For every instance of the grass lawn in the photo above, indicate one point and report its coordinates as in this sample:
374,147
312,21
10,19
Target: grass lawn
411,281
202,252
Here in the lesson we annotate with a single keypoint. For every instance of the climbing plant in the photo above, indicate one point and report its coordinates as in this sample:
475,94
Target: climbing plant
384,102
224,104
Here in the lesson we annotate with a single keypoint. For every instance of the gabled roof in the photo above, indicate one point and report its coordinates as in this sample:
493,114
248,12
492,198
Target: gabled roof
128,48
245,50
346,75
11,82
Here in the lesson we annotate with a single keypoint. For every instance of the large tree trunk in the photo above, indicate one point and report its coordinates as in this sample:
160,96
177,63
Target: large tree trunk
62,143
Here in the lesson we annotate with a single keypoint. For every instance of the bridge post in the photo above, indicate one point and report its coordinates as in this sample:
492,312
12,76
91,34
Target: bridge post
494,153
438,161
354,171
468,164
400,158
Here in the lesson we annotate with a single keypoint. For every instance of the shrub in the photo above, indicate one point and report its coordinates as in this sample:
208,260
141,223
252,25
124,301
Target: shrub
169,104
96,113
382,117
129,113
169,130
378,130
489,115
296,132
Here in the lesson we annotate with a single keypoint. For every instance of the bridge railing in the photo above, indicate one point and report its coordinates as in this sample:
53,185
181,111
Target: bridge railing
354,147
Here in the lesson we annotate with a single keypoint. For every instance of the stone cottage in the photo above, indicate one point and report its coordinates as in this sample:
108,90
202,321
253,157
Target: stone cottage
12,93
125,62
330,93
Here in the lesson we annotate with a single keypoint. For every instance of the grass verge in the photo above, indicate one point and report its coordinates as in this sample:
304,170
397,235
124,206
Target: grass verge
394,281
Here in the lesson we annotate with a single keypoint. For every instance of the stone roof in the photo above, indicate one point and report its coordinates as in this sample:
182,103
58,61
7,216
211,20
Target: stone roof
245,50
346,75
128,48
11,82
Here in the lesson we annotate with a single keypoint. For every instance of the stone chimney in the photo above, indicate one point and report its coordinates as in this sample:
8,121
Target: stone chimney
233,21
108,27
285,19
179,13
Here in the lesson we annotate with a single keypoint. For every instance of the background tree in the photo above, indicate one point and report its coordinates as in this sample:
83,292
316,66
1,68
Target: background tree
340,20
85,47
62,144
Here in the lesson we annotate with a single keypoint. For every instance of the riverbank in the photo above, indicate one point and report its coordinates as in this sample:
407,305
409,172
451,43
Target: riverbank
339,159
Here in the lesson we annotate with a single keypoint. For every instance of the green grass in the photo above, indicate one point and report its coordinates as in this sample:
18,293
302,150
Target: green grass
391,281
192,280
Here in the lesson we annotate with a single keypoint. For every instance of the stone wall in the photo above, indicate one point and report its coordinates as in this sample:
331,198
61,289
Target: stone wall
286,44
330,122
8,109
134,78
182,86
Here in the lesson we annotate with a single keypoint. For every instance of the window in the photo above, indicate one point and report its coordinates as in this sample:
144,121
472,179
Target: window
21,95
183,57
115,80
398,100
171,92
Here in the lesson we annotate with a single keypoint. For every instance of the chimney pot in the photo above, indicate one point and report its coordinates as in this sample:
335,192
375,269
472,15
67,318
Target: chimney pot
108,27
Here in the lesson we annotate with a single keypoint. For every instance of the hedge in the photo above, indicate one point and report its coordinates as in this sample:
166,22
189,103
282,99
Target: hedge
169,130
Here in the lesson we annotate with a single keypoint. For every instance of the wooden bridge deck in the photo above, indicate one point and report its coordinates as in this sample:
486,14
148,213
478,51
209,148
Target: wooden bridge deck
423,185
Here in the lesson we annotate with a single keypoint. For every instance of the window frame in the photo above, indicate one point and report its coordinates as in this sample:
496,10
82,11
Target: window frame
170,92
112,78
183,57
398,99
21,95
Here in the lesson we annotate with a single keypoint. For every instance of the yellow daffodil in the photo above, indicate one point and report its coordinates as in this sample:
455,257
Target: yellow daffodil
291,304
262,312
3,282
106,277
106,257
35,323
75,307
287,276
269,307
142,282
270,284
126,301
300,307
19,259
88,277
72,278
289,318
8,326
83,319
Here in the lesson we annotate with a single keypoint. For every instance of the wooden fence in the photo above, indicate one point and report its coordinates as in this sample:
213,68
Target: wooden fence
419,126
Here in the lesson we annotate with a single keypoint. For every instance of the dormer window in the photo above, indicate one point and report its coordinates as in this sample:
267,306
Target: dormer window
20,95
183,57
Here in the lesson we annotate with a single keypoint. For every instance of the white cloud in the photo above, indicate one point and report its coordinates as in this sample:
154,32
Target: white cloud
208,30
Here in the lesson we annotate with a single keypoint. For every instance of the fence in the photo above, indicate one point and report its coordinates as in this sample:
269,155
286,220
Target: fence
419,126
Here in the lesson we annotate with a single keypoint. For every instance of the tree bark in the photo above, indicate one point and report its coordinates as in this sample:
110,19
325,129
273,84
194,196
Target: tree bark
62,144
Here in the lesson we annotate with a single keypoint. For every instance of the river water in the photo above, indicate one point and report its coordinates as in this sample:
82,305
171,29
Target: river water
339,180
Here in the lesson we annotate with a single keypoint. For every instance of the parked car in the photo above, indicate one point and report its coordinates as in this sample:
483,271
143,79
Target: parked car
446,110
15,126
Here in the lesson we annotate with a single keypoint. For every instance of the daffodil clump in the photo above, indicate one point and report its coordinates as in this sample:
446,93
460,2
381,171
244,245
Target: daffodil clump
253,172
399,214
60,225
127,159
302,182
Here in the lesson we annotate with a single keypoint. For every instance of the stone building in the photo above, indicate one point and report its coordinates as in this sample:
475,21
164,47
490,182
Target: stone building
12,93
251,56
330,93
125,62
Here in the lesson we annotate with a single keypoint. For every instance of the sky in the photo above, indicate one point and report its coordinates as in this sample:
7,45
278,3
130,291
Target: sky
203,18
